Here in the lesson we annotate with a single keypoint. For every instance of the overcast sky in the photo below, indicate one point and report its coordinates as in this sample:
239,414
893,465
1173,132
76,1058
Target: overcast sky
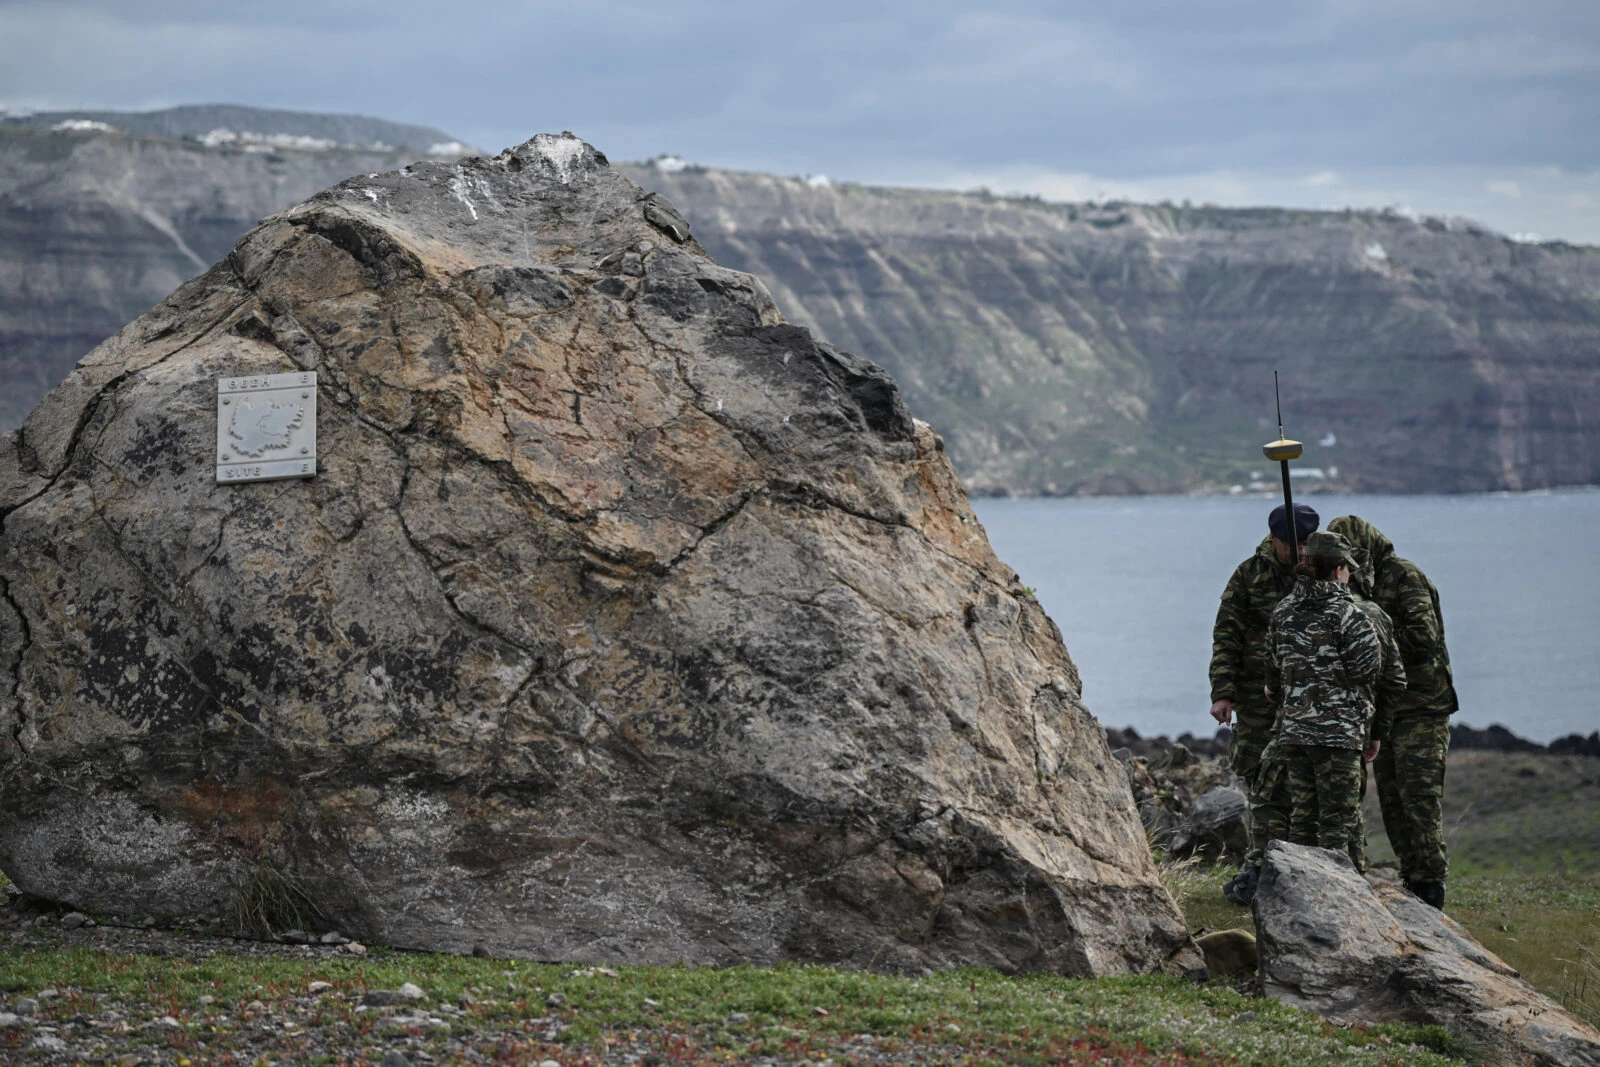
1487,109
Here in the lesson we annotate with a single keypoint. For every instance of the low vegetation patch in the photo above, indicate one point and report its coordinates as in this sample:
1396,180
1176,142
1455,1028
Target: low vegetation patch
1548,928
1498,816
224,1008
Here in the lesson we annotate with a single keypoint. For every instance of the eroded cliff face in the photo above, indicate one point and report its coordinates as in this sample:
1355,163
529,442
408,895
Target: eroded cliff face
1130,348
622,621
96,227
1059,348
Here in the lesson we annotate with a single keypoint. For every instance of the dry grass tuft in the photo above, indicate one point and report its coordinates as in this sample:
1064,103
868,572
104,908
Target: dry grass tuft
272,902
1580,974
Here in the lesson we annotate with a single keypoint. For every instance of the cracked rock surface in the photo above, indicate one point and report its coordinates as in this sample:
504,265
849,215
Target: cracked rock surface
1362,950
623,621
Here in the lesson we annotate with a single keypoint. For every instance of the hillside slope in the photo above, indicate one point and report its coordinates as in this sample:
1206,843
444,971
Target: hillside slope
97,226
1130,348
200,120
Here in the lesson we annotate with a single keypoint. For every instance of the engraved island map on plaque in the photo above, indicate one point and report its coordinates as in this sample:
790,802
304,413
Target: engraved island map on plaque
267,427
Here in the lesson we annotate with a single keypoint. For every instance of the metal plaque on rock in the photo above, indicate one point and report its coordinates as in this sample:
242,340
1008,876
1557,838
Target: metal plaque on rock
267,427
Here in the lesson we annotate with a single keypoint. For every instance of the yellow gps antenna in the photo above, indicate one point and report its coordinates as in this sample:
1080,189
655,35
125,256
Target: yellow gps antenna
1283,450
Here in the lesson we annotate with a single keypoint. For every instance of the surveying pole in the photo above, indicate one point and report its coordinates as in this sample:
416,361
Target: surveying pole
1283,450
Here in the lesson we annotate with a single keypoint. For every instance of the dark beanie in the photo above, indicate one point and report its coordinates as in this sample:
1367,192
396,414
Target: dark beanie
1305,522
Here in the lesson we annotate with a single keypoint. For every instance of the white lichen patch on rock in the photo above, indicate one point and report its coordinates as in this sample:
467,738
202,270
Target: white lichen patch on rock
564,153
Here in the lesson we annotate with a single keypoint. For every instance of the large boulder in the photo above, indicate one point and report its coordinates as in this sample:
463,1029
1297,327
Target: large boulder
621,621
1361,952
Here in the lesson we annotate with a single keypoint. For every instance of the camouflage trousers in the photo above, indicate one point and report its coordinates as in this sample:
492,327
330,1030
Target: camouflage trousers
1270,804
1410,774
1264,781
1325,794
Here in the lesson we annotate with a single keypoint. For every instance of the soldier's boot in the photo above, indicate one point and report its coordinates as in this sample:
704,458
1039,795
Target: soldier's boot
1241,889
1430,893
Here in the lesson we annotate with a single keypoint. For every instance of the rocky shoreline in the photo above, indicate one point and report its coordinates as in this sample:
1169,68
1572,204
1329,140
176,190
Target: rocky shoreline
1192,804
1494,738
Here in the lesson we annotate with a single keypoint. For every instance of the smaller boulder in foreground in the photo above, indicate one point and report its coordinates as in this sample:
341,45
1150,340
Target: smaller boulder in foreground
1361,953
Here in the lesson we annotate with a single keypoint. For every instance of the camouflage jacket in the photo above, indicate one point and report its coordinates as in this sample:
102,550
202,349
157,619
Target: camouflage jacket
1390,687
1399,587
1325,656
1239,637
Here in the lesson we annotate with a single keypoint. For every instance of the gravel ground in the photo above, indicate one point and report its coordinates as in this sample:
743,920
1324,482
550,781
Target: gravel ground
339,1022
133,990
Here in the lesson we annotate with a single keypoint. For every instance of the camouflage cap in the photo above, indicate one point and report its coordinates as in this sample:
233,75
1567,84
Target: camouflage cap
1327,543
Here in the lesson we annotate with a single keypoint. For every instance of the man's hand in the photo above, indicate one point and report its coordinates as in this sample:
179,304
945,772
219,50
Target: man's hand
1222,711
1370,753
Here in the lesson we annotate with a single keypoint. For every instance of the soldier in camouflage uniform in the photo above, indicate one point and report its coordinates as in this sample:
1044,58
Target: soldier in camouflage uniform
1410,769
1325,655
1389,688
1239,676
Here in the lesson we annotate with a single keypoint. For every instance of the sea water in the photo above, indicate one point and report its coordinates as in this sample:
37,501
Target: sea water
1133,583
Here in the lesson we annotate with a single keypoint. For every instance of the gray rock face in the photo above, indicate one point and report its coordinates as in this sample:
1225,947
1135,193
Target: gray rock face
1215,826
1365,953
622,621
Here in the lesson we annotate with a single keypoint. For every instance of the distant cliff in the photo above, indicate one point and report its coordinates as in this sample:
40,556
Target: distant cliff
98,225
216,121
1130,348
1110,348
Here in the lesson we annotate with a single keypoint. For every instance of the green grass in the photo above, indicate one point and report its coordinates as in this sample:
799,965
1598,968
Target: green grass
1197,887
1548,928
1498,816
969,1016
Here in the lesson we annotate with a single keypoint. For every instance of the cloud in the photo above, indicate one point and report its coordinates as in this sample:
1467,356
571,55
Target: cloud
1515,55
1332,90
1504,188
